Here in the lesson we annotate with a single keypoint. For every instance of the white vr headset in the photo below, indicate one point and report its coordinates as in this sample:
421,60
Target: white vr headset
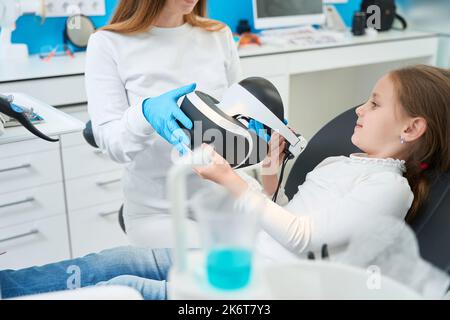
224,124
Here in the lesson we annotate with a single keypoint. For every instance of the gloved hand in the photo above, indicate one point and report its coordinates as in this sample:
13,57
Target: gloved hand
258,127
162,113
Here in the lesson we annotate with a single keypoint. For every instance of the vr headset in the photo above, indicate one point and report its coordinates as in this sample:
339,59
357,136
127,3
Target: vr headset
224,124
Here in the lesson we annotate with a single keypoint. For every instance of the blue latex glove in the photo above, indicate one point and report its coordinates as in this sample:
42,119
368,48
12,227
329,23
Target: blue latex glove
258,127
162,113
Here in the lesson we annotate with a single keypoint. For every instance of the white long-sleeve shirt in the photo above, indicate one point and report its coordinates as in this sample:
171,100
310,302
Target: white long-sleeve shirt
337,197
123,70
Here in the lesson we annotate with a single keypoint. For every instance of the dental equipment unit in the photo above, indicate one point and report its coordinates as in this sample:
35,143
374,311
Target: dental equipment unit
12,110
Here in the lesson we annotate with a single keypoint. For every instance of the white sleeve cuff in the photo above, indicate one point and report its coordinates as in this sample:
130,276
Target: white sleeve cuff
136,122
253,184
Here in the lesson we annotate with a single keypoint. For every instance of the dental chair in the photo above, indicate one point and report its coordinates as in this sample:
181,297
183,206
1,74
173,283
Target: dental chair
432,227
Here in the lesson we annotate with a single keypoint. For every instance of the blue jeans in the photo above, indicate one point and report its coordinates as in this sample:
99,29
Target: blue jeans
145,270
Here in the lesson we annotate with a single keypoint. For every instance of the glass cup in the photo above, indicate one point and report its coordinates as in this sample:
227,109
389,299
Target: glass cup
228,230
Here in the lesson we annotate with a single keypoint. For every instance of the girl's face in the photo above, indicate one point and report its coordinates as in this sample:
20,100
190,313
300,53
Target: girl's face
182,7
382,123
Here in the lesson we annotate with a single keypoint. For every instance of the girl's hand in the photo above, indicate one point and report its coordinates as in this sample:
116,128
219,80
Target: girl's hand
275,156
220,172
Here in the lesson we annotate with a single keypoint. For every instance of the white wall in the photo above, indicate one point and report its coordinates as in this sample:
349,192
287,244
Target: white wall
430,15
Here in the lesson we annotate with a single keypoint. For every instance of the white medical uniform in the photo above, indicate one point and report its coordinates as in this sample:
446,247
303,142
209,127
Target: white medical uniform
122,71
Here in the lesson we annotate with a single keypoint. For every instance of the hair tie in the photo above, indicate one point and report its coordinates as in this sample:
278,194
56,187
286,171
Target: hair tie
424,166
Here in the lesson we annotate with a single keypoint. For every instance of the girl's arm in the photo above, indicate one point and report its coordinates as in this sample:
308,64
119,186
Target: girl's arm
272,163
334,221
220,171
291,231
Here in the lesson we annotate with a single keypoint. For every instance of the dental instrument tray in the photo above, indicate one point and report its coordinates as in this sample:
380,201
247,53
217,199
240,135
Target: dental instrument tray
30,114
12,110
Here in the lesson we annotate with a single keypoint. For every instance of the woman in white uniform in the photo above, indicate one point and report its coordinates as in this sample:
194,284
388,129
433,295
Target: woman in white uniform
151,54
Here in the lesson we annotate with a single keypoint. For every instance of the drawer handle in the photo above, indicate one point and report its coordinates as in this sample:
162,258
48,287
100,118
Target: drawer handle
23,235
107,214
24,166
27,200
105,183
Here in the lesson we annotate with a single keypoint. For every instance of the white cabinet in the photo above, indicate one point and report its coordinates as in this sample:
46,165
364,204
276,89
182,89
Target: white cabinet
34,243
83,160
9,150
96,228
57,200
31,204
30,170
94,193
92,190
33,225
53,91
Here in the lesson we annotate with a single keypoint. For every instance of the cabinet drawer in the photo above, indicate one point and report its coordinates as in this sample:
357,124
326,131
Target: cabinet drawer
31,204
75,139
94,190
96,228
29,170
10,150
85,160
53,91
80,112
33,244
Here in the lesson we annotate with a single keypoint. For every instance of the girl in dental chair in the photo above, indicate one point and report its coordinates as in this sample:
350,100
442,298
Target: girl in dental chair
404,131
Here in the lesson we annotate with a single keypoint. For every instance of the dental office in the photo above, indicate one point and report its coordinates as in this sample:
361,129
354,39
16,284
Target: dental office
225,150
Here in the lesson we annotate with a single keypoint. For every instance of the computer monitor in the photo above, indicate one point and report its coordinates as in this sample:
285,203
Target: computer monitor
287,13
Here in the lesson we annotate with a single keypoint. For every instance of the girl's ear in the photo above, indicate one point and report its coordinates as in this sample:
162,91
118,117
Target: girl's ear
415,130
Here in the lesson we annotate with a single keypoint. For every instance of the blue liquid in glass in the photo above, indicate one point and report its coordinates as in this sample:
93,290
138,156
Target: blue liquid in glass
229,268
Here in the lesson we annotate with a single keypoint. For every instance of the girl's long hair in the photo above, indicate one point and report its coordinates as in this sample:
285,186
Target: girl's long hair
424,91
